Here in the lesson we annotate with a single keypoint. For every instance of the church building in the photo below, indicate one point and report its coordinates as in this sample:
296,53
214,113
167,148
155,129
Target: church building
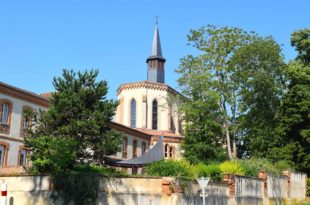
147,115
151,108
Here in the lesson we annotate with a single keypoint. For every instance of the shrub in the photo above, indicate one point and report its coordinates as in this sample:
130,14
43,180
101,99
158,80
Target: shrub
172,168
249,168
51,154
232,167
284,165
254,165
99,170
212,170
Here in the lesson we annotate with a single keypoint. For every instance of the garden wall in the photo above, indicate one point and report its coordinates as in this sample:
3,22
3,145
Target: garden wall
297,185
235,190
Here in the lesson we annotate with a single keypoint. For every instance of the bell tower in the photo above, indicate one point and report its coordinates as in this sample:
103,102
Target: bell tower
156,61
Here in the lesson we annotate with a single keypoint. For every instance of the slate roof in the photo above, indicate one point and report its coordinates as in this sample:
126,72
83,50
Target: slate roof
156,46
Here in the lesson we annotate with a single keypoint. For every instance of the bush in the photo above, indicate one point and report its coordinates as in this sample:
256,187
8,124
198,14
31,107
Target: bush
212,170
99,170
232,167
51,154
171,168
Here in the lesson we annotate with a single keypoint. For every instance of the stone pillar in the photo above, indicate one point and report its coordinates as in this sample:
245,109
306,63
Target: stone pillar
230,179
263,175
167,185
288,175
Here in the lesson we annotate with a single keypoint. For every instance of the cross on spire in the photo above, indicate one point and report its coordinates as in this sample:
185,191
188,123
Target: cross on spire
156,19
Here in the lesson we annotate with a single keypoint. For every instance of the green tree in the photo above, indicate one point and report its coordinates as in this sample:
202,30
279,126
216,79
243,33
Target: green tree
301,41
234,86
75,128
259,73
207,78
293,131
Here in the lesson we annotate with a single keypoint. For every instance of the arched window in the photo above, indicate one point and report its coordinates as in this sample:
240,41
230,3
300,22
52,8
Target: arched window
133,113
154,115
5,114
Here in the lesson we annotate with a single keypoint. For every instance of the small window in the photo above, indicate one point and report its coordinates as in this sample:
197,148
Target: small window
154,115
171,152
134,149
5,114
26,121
124,147
133,113
28,116
22,157
166,150
143,147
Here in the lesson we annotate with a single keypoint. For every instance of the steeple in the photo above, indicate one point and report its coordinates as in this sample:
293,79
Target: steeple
156,61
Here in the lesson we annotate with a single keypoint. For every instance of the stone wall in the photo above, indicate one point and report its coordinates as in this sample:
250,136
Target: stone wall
235,190
297,183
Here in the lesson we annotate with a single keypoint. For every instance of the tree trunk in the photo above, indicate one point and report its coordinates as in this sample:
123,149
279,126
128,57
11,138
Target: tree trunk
228,140
234,147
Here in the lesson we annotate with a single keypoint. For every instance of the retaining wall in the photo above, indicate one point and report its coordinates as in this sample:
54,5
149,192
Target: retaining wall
234,190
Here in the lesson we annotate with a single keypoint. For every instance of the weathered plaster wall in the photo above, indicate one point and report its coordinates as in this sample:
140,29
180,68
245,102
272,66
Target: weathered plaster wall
297,185
249,190
29,190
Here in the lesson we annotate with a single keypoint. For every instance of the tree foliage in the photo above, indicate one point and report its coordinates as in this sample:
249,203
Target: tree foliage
259,72
75,128
233,85
293,131
301,41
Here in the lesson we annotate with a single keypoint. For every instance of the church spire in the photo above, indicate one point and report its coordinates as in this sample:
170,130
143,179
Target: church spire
156,61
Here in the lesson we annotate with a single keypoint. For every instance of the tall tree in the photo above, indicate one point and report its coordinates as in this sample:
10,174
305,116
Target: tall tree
209,76
235,82
260,77
77,120
293,131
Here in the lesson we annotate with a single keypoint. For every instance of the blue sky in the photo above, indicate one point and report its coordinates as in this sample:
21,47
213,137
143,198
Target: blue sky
40,38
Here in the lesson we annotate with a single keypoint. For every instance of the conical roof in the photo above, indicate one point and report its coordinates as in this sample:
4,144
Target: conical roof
156,46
